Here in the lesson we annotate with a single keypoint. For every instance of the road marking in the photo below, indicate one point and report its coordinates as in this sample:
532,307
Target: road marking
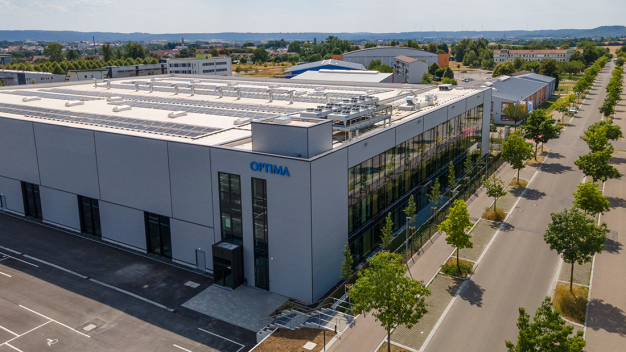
237,343
23,261
33,329
15,348
11,250
55,266
52,341
593,265
1,273
184,349
5,329
132,294
30,310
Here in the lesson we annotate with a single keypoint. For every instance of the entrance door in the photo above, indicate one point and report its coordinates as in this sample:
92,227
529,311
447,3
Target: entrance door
200,260
3,202
32,201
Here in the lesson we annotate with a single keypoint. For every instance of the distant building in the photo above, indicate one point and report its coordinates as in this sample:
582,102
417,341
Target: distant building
352,76
87,74
532,90
387,55
408,70
201,65
504,55
16,77
322,65
5,59
137,70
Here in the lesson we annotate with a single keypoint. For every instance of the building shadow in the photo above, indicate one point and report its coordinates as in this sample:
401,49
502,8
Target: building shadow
473,294
555,168
606,317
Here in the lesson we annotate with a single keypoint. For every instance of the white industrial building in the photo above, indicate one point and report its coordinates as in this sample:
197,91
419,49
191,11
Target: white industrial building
137,70
504,55
346,76
387,55
219,66
258,181
17,77
408,70
531,90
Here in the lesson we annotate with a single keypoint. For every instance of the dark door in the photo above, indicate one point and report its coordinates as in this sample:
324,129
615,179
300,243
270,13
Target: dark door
32,200
89,215
158,238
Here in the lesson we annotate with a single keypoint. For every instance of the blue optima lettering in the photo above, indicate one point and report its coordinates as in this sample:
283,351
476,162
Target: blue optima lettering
269,168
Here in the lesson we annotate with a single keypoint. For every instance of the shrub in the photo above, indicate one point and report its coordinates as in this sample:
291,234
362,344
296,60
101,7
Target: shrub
573,306
497,215
450,267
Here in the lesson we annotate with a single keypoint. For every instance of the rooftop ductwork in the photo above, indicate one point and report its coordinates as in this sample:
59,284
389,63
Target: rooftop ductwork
175,88
193,89
219,91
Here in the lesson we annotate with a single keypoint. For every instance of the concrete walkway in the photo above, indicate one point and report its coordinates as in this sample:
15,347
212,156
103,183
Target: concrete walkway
366,334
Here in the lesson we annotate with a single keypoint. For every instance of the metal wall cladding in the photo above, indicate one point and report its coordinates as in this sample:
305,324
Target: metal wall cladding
477,99
134,172
435,117
486,121
409,129
289,218
60,207
123,225
190,177
456,108
279,139
370,146
320,139
12,191
187,237
67,159
18,155
329,202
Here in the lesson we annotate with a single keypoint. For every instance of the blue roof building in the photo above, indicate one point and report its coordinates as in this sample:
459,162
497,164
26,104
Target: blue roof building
323,65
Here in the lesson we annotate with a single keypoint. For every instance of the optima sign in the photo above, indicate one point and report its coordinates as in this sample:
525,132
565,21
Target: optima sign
269,168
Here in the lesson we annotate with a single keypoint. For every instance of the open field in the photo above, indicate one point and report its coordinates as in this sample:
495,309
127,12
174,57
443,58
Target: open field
269,69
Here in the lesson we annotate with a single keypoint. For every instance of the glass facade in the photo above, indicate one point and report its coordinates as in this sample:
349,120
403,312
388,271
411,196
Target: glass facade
377,186
32,200
158,235
230,208
89,215
259,216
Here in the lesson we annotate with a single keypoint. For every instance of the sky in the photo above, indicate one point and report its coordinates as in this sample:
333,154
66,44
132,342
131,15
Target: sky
195,16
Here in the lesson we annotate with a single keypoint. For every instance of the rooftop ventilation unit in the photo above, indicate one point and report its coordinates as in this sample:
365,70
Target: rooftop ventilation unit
156,79
232,84
319,89
30,98
121,108
196,81
283,120
274,86
115,99
176,114
74,103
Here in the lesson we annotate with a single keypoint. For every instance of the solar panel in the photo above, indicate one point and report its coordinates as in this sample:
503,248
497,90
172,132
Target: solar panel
133,124
49,95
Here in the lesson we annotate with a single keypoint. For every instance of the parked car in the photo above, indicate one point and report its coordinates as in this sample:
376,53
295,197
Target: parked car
573,110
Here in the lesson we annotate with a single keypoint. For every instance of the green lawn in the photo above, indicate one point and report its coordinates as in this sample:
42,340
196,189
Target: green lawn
574,77
548,105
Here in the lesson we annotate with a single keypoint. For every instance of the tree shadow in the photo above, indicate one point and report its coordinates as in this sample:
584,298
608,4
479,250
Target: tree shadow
618,160
612,246
607,317
554,155
555,168
473,294
533,194
617,202
507,227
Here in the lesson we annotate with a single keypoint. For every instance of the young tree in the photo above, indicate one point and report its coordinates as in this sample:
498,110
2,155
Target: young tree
433,68
426,78
541,128
548,332
516,151
393,298
495,188
54,51
515,112
435,193
348,262
468,166
590,199
451,177
596,165
575,237
387,232
612,132
455,226
107,51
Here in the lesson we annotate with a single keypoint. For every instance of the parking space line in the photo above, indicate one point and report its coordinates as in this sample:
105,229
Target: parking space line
222,337
30,310
184,349
132,294
1,273
15,348
23,261
11,250
55,266
5,329
18,336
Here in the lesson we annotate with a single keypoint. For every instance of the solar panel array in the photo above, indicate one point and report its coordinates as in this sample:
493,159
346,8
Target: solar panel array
125,123
270,109
50,95
196,109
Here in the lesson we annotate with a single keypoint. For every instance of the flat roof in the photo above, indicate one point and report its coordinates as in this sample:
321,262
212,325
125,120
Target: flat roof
329,62
515,88
204,118
343,76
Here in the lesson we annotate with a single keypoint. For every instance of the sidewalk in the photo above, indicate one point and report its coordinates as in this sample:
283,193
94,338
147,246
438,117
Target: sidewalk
366,333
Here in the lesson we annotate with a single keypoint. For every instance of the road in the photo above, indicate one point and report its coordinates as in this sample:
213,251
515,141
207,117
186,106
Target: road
519,268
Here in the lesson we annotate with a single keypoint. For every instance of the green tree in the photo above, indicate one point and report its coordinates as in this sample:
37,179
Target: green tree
495,188
387,232
451,177
449,81
541,128
348,262
516,112
612,132
393,298
503,68
134,50
435,193
518,63
575,237
547,333
596,165
590,199
426,78
447,73
607,109
516,151
433,68
54,51
468,166
72,55
107,51
455,226
411,208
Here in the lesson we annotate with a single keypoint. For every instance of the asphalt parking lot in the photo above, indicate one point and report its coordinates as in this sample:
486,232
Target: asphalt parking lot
62,292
